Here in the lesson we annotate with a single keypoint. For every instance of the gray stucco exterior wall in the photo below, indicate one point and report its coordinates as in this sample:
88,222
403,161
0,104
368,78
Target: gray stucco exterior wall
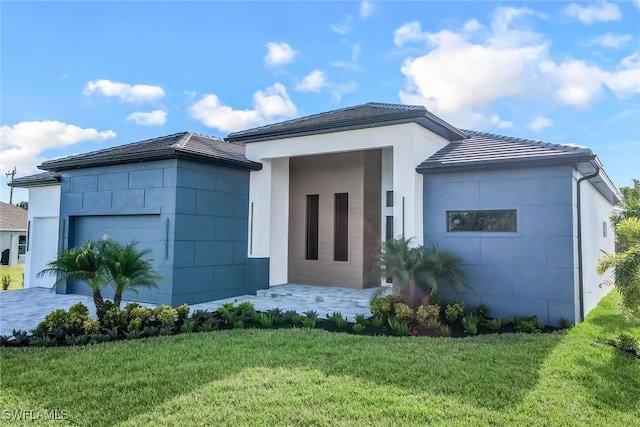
532,271
192,216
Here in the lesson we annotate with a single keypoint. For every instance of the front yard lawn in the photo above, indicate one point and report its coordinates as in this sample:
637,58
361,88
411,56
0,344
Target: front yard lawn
311,377
16,273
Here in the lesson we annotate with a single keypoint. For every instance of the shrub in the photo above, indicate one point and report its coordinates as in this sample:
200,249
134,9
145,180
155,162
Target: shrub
188,327
246,308
308,323
433,324
238,324
530,325
133,335
380,306
493,324
98,338
402,329
115,318
207,327
564,323
444,330
91,326
311,315
297,320
377,321
164,314
71,322
54,320
264,320
403,312
470,324
433,299
425,313
481,311
182,312
454,311
44,341
20,337
337,319
505,321
289,315
6,282
358,328
361,319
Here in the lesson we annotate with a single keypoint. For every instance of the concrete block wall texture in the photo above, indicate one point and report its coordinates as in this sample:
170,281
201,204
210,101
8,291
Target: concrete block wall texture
531,271
211,235
192,216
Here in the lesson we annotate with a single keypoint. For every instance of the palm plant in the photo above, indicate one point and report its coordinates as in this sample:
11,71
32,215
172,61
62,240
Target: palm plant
128,269
86,264
414,266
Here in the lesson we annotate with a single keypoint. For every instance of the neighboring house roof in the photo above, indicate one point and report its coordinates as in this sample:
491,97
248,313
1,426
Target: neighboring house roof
485,151
184,145
37,180
12,218
368,115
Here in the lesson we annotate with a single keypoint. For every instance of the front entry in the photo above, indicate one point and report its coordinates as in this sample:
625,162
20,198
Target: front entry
334,218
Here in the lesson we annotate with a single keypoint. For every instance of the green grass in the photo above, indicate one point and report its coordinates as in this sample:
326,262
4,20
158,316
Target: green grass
16,274
317,378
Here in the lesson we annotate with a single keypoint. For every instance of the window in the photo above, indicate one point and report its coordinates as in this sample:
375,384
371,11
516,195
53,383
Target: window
341,227
389,199
605,229
498,220
312,226
389,228
22,244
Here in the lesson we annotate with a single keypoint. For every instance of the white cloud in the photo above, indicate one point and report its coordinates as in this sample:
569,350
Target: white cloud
124,91
343,28
338,90
574,81
356,49
472,25
610,40
625,82
346,65
24,143
366,9
154,118
461,80
313,82
269,105
499,123
540,123
278,54
602,12
411,31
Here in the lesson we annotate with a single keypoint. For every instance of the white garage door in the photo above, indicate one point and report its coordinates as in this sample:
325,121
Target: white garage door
147,230
43,248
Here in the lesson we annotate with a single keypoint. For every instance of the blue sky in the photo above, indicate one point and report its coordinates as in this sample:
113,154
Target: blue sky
82,76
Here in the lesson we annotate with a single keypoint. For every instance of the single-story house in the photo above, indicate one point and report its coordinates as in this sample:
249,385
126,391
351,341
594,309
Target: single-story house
13,234
42,223
309,201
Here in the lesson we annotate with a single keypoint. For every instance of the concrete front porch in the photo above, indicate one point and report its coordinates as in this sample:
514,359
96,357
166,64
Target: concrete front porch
25,308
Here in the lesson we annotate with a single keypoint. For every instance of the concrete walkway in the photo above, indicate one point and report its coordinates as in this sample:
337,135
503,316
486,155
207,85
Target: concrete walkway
25,308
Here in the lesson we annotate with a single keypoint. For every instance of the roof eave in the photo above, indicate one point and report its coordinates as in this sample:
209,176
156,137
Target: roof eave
35,183
434,168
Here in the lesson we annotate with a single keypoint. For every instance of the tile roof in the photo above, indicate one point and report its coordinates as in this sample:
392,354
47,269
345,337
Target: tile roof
12,217
37,180
486,150
185,145
368,115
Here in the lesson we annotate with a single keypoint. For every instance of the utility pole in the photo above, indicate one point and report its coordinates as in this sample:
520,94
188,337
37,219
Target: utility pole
11,174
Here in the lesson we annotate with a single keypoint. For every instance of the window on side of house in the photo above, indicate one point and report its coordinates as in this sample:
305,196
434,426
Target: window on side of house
483,220
341,227
311,252
22,244
389,199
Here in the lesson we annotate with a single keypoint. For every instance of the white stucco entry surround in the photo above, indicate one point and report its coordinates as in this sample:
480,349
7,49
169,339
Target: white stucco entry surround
403,146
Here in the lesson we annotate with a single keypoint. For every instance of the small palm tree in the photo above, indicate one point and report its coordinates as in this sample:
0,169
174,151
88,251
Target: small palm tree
128,269
86,264
414,266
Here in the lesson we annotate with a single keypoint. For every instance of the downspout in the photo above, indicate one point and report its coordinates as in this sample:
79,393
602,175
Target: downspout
580,275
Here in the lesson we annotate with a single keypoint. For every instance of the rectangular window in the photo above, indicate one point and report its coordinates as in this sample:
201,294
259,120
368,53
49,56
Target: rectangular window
498,220
341,227
389,228
389,199
605,229
22,244
312,226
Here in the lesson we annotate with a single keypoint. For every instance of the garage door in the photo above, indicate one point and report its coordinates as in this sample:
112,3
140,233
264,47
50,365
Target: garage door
144,229
43,249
